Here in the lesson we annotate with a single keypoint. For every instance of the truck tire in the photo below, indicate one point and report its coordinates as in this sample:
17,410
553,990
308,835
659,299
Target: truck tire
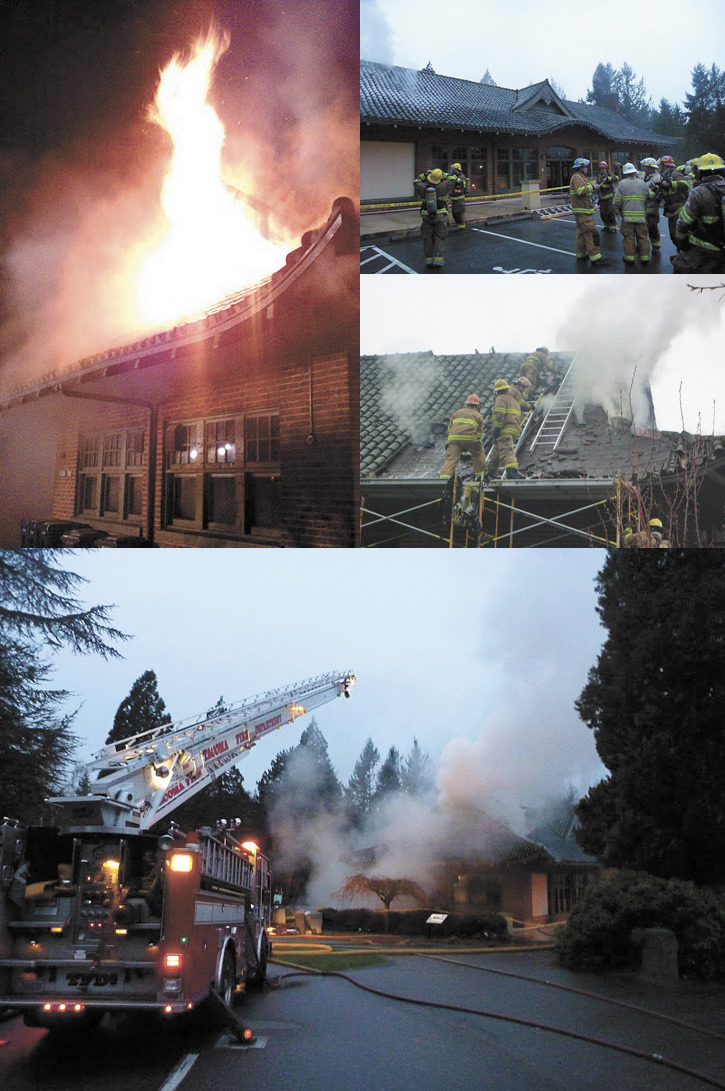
258,978
227,979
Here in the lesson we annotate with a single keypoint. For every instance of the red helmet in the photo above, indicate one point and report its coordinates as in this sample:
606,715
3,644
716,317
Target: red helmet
667,161
604,164
473,400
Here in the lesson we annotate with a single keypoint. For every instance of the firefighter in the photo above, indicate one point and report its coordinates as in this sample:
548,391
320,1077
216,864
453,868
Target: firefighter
434,187
505,430
465,429
652,178
582,205
629,202
519,389
607,182
673,191
651,538
458,204
535,365
699,229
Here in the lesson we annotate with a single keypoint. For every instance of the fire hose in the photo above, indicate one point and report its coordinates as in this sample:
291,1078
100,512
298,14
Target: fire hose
655,1058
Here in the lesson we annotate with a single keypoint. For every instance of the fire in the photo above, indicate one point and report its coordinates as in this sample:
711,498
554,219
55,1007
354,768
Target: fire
209,244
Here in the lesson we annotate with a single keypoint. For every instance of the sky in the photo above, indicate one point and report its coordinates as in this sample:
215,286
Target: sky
478,655
529,42
662,331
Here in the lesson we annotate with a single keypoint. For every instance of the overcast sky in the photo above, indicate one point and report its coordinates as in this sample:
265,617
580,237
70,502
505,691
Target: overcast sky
528,42
673,336
484,651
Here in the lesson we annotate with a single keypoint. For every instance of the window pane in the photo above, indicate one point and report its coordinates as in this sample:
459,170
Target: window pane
134,449
263,502
221,501
184,498
112,450
111,493
89,452
89,493
133,496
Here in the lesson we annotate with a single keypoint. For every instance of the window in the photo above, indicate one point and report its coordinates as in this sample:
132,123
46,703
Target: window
110,482
514,166
222,475
472,160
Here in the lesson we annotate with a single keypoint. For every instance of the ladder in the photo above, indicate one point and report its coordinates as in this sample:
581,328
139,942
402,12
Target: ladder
557,417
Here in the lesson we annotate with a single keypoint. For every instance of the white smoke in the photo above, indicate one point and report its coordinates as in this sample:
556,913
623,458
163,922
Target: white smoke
624,337
405,388
376,37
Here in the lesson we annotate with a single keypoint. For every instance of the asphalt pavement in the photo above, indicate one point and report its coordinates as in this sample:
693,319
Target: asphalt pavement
520,244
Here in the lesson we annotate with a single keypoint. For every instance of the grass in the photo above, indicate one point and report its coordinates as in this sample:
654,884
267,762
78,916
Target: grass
355,960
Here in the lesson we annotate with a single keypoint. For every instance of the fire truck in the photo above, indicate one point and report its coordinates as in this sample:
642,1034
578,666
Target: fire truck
101,913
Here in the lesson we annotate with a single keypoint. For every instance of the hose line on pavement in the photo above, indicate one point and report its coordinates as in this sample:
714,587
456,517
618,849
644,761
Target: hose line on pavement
655,1058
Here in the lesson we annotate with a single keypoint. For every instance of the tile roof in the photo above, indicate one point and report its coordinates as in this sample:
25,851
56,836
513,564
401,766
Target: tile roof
407,400
390,94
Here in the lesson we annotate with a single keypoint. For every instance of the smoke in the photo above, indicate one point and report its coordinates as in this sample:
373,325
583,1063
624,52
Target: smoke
287,93
405,389
624,338
376,37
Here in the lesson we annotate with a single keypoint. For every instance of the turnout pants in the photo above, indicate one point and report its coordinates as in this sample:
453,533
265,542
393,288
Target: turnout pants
458,209
606,211
502,454
634,235
435,232
697,260
653,229
454,452
586,234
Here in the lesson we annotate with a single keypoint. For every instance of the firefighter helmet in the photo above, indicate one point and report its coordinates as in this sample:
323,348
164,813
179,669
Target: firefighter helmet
521,380
629,168
500,384
668,161
542,348
710,161
580,163
648,162
457,166
604,164
655,524
472,399
435,176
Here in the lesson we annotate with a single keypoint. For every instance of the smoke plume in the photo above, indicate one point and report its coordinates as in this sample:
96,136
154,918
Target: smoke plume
405,389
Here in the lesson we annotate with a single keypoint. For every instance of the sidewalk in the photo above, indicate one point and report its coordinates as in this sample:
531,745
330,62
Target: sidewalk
406,221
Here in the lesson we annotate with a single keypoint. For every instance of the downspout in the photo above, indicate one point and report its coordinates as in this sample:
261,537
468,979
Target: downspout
153,417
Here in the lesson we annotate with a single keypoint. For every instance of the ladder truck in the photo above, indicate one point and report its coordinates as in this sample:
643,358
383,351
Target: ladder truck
99,913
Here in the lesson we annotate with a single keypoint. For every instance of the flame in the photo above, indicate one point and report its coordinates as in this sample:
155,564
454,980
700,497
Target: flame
209,245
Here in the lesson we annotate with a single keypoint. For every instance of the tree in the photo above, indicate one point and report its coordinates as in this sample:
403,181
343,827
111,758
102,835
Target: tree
388,780
324,783
654,702
669,120
634,103
604,85
557,88
39,605
142,710
361,786
705,109
225,798
416,775
488,79
385,889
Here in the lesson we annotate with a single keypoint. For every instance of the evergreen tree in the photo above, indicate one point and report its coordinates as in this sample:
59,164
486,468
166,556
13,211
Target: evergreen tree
634,104
604,85
669,120
225,798
389,778
488,79
654,701
39,606
142,710
361,786
324,783
416,774
705,109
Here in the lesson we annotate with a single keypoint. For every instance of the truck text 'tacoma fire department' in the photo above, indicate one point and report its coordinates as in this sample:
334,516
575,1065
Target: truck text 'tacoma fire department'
99,914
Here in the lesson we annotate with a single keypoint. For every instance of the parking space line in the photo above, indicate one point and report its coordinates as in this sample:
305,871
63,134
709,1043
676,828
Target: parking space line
378,253
177,1074
525,242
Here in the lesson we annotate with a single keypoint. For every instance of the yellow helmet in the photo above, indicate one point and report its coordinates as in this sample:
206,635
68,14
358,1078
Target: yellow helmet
656,524
500,384
710,161
457,166
435,176
542,348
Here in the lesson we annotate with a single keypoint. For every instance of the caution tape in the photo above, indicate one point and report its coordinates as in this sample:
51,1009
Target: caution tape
390,206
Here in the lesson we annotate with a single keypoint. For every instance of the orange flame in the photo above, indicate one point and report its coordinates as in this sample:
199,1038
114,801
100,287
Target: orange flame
209,246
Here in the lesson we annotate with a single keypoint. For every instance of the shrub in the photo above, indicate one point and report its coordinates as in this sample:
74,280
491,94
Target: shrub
598,932
487,925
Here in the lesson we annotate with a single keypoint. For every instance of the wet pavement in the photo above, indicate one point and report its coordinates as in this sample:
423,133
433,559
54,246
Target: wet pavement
521,243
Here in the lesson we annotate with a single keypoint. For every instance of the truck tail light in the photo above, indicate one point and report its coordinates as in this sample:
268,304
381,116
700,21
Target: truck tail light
172,962
181,861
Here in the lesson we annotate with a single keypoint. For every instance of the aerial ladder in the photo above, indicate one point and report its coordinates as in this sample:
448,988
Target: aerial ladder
138,781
